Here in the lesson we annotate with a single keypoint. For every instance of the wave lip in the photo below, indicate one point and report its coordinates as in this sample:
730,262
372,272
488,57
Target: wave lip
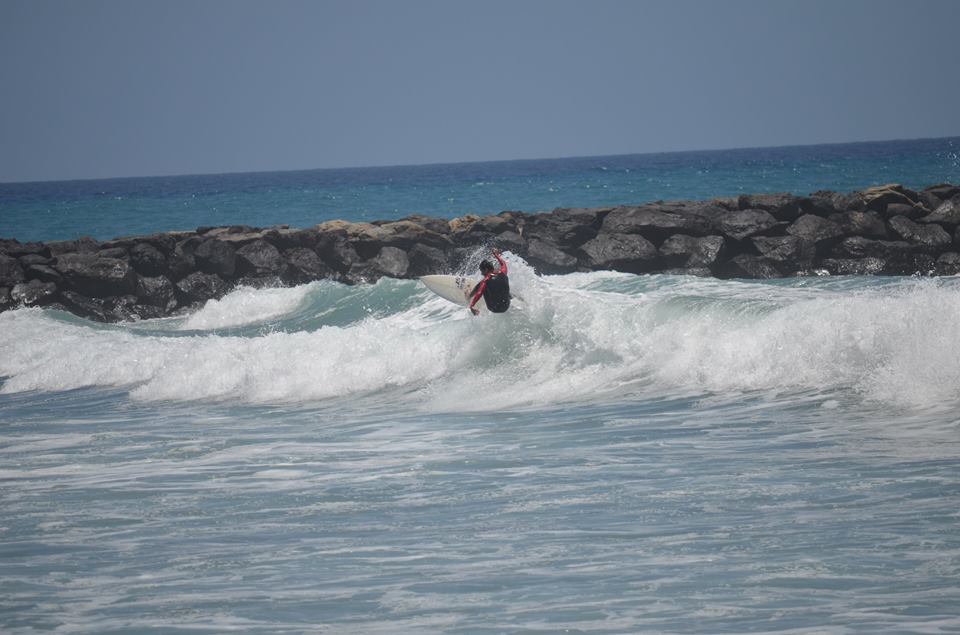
574,338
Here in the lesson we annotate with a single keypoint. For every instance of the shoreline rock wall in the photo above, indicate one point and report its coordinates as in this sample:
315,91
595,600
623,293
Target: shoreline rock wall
886,230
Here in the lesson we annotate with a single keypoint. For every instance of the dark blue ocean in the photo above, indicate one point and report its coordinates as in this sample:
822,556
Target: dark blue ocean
616,454
109,208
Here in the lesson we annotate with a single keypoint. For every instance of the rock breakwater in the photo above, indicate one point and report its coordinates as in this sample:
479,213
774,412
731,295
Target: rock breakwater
888,230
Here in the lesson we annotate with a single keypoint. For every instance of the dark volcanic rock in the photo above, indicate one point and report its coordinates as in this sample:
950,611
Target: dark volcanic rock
621,252
15,248
789,253
868,224
97,277
120,253
305,265
655,223
782,206
200,287
33,293
156,291
82,245
147,260
10,271
690,252
750,236
930,236
948,264
549,259
391,261
913,212
815,230
260,258
33,259
44,273
182,261
564,227
745,223
943,191
750,266
425,260
946,214
112,309
216,256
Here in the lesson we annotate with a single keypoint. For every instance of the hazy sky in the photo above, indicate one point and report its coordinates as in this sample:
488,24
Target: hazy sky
100,88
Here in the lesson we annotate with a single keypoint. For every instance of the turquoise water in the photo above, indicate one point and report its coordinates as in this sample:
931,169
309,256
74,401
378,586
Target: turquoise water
616,454
108,208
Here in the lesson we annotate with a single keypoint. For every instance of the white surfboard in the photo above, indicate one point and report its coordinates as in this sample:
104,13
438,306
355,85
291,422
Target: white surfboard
456,289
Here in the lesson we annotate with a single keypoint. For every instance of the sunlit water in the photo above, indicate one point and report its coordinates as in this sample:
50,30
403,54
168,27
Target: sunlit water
617,454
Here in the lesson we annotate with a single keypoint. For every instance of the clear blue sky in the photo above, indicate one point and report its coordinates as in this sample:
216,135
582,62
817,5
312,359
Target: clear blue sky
103,88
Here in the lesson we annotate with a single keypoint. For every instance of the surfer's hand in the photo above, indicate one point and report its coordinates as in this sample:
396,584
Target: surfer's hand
495,251
475,311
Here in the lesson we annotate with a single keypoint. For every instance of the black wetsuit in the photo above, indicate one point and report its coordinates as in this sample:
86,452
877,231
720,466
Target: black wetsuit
495,289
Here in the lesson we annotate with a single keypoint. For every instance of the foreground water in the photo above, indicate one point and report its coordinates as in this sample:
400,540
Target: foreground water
618,454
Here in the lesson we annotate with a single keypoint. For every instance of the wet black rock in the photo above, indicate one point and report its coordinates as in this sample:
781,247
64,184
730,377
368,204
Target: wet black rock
95,276
888,230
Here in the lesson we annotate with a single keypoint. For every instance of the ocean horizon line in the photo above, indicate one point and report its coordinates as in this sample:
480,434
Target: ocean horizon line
355,168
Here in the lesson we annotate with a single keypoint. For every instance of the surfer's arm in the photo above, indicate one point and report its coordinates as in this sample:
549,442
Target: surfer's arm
503,263
477,294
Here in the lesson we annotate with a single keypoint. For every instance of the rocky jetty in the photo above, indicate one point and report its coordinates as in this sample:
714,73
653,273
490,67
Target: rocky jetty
887,230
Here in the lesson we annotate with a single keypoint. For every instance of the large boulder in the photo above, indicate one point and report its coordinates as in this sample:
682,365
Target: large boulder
390,261
657,222
749,266
259,258
929,236
216,257
858,247
782,206
111,309
745,223
200,287
913,212
82,245
15,248
948,264
631,253
147,260
305,265
789,253
44,273
565,227
10,271
156,291
868,224
33,293
426,260
96,277
946,214
548,258
816,230
691,252
182,261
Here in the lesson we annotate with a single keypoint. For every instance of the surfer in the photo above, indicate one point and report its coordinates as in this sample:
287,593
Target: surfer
494,288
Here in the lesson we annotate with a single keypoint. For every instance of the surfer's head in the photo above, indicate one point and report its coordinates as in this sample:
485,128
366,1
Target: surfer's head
486,267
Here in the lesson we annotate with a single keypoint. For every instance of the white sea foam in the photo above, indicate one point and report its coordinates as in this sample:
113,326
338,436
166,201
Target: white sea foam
247,305
583,336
